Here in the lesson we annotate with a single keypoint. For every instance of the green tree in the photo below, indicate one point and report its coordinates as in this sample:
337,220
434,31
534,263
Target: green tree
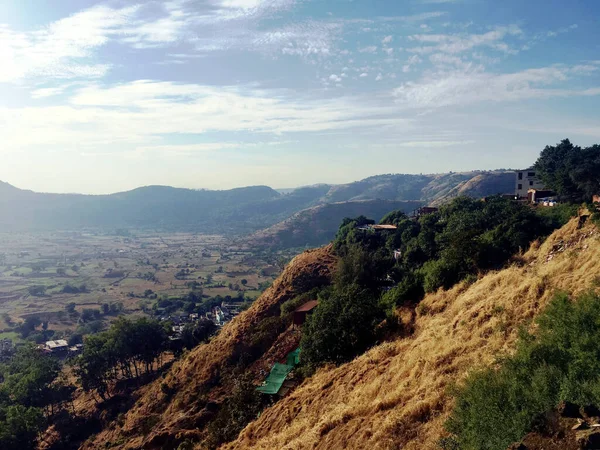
571,171
19,427
342,326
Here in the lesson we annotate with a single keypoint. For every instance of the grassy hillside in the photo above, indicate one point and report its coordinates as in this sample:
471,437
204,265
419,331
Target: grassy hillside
396,395
317,225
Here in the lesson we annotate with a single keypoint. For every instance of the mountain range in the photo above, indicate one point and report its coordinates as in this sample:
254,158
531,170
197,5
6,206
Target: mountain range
241,210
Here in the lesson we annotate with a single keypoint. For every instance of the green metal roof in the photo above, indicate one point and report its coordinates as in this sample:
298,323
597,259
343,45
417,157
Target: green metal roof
276,378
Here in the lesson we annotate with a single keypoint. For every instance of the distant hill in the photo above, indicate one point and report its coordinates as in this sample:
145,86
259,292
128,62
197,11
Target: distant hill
317,225
236,211
427,188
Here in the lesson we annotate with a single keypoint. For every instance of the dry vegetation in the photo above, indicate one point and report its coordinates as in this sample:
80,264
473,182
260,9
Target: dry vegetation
396,395
179,406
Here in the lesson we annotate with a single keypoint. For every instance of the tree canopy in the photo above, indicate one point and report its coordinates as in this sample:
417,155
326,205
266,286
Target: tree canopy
572,171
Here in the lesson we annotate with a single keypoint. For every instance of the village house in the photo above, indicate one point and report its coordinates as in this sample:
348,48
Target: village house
57,347
526,180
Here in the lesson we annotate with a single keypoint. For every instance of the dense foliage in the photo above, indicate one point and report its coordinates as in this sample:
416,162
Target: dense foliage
380,270
127,350
571,171
29,395
561,362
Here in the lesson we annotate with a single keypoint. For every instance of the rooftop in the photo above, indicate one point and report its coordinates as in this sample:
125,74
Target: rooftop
308,306
57,344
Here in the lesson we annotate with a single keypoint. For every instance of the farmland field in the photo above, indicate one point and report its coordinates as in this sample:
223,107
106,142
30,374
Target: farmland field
54,277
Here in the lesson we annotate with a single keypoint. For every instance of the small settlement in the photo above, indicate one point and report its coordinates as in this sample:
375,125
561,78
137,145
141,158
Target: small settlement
219,315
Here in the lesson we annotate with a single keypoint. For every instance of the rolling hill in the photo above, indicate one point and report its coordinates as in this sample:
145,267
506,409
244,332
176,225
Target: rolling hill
236,211
317,225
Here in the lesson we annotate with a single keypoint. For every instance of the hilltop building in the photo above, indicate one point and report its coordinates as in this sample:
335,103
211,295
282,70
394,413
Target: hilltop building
526,180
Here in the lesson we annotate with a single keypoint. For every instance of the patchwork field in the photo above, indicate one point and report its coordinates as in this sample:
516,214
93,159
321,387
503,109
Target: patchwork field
43,274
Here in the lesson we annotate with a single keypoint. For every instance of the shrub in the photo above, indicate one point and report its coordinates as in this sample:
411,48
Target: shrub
561,362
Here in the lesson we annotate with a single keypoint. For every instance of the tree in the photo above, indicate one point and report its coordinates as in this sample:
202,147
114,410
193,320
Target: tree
244,282
571,171
90,314
19,428
30,324
342,326
37,290
27,377
70,308
197,332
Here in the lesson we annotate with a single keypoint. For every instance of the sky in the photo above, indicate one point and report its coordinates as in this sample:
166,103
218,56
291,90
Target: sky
104,96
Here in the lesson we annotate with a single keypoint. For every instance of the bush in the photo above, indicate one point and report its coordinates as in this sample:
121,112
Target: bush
497,407
342,326
237,411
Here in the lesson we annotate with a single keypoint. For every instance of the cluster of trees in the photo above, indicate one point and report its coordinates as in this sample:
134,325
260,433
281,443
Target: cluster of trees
195,302
571,171
31,394
125,351
380,270
559,363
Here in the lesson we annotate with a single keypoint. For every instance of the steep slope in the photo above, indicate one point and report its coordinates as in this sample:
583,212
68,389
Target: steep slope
396,395
180,405
317,225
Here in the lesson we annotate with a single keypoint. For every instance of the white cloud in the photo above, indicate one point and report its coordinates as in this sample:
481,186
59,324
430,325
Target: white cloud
60,49
368,49
47,92
387,39
379,77
412,61
466,87
364,75
458,43
144,112
335,78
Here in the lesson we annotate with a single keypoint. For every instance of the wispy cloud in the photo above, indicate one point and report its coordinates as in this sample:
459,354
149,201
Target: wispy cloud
477,86
62,49
459,43
144,112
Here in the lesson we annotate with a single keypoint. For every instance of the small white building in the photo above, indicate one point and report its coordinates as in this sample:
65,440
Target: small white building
57,346
526,180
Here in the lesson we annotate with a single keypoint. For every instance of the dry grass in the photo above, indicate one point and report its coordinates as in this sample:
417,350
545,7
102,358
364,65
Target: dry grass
396,395
158,421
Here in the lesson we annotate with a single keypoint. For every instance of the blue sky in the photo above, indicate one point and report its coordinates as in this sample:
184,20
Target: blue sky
103,96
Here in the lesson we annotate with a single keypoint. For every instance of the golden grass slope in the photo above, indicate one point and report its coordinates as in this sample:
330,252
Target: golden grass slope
159,420
395,395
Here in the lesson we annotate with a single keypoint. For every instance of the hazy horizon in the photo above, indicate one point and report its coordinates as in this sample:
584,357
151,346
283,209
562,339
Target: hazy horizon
100,97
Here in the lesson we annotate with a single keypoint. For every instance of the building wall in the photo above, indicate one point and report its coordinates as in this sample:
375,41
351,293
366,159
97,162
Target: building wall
525,180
